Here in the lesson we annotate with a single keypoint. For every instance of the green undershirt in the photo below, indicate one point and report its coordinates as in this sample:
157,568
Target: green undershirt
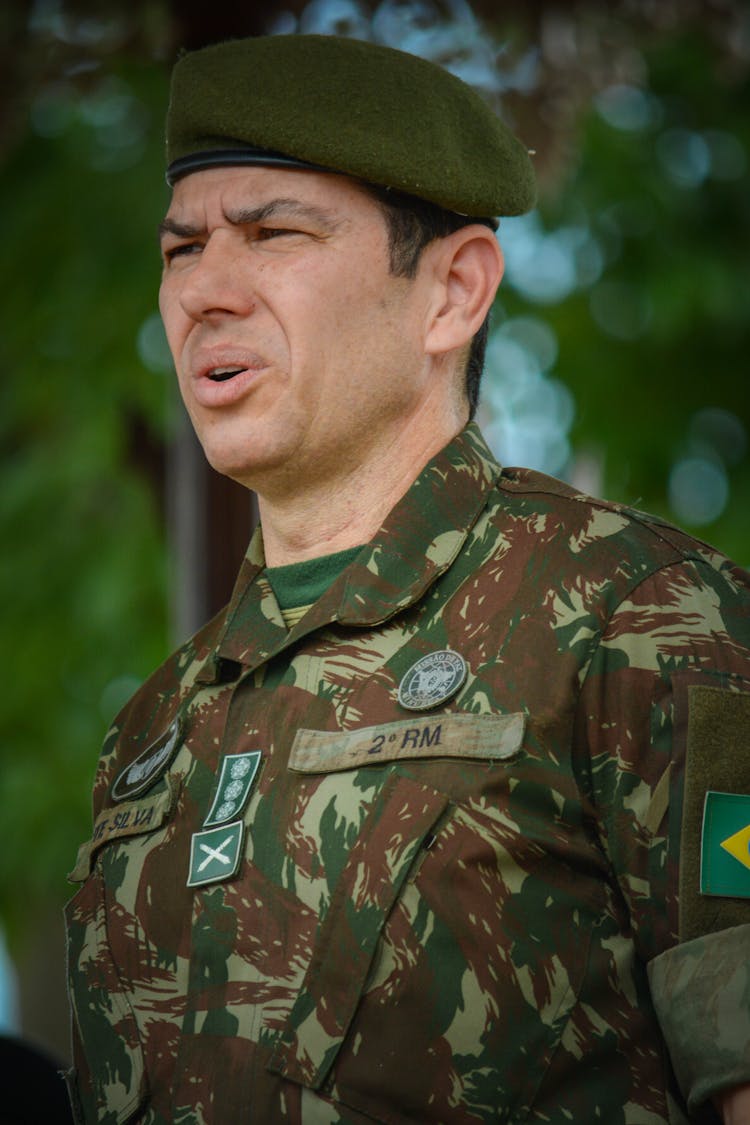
299,585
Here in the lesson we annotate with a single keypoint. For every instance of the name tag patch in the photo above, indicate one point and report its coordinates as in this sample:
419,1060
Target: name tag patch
235,782
215,854
725,845
132,819
489,737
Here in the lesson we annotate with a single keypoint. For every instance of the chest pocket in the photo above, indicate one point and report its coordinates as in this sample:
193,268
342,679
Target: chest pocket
109,1078
397,826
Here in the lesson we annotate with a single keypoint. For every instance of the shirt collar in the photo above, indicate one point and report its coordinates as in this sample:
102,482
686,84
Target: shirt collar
419,540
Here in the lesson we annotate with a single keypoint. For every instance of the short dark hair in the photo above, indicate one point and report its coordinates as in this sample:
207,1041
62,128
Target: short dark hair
412,224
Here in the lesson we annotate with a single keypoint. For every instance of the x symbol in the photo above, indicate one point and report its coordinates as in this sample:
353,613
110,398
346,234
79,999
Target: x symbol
215,853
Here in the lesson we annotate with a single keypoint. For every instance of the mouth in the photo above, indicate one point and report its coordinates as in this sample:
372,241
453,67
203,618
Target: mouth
224,374
223,380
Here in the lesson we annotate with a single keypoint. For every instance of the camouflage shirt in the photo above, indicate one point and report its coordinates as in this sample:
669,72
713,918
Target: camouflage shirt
430,855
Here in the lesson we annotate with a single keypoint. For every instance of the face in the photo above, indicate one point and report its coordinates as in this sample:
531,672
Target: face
295,348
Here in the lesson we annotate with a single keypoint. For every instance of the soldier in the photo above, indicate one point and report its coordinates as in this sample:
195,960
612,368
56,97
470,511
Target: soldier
445,817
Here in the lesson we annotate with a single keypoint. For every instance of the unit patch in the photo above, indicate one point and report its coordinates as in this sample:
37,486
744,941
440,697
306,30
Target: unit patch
725,847
149,766
235,782
432,680
215,854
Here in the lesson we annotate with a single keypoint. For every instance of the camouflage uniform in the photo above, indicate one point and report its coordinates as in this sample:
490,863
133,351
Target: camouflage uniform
440,915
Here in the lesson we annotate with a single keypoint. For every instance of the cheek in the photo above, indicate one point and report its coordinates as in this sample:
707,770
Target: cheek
344,320
165,308
173,319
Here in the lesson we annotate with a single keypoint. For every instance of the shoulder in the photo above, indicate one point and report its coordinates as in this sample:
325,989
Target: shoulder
593,532
548,552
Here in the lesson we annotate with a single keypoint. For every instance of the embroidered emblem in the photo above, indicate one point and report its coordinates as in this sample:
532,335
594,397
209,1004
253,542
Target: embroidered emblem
215,854
433,679
150,764
725,846
235,782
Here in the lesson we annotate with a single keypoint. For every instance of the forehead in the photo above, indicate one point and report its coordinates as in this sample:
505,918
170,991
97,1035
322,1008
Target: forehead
252,187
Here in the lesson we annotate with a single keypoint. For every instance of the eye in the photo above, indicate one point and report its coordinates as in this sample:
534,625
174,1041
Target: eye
180,250
264,234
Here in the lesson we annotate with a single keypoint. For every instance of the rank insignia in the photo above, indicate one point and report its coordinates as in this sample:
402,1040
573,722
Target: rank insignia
725,847
432,680
150,764
235,782
215,854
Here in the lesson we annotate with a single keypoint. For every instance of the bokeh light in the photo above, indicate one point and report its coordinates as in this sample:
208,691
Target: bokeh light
527,411
698,490
627,108
685,157
152,347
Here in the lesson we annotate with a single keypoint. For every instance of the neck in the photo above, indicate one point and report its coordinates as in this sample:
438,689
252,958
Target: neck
332,515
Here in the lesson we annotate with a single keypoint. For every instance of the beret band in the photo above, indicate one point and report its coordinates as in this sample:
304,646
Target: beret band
239,154
347,106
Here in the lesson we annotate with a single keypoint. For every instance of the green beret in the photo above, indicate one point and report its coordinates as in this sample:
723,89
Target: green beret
347,106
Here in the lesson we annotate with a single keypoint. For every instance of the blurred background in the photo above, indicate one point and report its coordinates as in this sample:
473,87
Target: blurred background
618,358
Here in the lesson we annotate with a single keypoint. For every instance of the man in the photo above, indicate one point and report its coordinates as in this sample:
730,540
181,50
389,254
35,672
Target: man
445,817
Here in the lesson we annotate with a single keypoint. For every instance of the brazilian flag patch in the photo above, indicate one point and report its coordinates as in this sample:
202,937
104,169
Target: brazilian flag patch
725,845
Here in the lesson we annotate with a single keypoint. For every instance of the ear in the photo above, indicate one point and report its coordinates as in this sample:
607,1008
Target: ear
468,267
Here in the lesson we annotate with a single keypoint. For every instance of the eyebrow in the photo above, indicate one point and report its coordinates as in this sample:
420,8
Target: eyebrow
246,216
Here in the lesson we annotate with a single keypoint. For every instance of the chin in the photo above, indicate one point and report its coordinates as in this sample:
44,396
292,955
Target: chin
250,460
236,469
249,471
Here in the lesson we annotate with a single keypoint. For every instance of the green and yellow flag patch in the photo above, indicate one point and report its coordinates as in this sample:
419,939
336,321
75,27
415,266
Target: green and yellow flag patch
725,847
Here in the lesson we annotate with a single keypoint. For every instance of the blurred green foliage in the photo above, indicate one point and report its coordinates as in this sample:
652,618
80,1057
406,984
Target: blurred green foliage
83,571
662,335
652,336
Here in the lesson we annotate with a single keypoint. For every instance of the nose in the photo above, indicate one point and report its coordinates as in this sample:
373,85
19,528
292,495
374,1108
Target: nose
218,282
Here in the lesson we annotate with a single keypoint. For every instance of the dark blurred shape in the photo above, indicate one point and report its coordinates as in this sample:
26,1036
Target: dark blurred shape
33,1090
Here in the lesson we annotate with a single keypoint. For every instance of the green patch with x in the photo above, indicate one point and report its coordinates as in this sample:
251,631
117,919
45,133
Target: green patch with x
215,854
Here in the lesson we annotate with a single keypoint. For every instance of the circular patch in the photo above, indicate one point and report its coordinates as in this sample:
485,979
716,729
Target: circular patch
150,764
433,679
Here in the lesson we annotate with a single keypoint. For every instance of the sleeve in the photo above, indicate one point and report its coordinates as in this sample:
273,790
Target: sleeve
663,735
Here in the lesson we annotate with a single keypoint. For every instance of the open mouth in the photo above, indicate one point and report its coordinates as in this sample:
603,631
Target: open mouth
223,374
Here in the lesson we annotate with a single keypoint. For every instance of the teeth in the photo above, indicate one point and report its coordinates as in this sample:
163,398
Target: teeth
221,374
